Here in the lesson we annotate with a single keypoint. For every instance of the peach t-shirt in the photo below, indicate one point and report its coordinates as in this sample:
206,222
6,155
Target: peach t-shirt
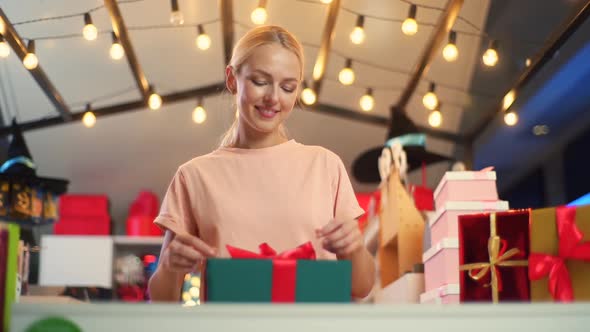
244,197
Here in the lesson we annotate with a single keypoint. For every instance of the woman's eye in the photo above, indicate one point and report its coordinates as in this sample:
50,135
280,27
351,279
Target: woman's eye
259,83
289,89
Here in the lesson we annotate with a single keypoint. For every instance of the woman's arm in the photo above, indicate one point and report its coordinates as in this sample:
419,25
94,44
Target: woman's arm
363,272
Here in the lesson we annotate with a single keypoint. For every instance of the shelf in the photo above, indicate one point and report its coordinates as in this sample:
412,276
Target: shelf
138,240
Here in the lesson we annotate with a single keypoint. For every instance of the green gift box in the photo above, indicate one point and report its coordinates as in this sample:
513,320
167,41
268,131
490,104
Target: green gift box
293,276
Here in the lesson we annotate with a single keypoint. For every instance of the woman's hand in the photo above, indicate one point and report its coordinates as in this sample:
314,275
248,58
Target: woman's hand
184,253
342,238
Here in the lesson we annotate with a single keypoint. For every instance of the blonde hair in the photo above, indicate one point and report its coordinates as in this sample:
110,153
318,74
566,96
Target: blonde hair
259,36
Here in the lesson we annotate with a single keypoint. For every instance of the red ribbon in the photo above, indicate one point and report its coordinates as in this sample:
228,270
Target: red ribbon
570,247
284,267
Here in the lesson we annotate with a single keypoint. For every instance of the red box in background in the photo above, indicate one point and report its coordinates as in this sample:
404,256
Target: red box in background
509,259
83,215
83,205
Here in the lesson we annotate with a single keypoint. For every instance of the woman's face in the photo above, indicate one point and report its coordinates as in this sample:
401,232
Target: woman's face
266,88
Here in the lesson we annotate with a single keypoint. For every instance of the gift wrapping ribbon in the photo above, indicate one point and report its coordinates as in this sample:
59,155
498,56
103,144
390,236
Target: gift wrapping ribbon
284,267
498,256
570,247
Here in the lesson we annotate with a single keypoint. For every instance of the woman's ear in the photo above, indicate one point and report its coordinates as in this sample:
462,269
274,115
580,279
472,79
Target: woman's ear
230,80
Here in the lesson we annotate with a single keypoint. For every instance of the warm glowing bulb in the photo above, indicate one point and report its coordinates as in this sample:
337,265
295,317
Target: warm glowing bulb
410,27
346,76
90,32
30,61
203,42
4,50
117,51
367,103
176,17
237,114
89,119
327,2
527,62
450,52
308,96
357,36
490,57
435,119
2,27
194,291
511,118
259,15
508,99
430,100
155,101
199,115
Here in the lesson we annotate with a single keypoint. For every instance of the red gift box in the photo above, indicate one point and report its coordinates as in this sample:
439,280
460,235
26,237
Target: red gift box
83,226
83,205
493,256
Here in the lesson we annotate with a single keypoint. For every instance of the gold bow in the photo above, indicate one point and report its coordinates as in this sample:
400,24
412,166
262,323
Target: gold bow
495,260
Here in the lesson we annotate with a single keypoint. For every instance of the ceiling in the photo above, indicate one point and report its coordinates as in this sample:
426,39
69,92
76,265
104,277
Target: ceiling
127,152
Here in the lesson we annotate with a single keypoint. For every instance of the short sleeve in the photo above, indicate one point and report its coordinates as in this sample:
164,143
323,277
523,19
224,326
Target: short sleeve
346,205
176,210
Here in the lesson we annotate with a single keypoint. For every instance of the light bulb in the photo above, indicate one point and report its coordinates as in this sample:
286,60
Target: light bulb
89,119
346,76
2,27
511,118
176,17
237,114
490,57
367,102
327,2
527,62
30,61
409,27
435,119
357,36
155,101
308,96
450,52
203,42
199,114
117,51
4,49
259,15
90,32
508,100
430,100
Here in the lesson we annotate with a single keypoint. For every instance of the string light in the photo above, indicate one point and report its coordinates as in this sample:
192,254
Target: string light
511,118
410,26
357,36
203,40
4,48
117,52
154,101
527,62
346,75
435,118
308,96
176,16
259,15
30,61
490,57
367,102
89,32
89,119
450,52
508,100
430,100
327,2
199,113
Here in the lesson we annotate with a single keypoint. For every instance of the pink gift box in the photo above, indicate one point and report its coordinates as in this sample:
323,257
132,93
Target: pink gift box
447,294
441,264
466,186
445,221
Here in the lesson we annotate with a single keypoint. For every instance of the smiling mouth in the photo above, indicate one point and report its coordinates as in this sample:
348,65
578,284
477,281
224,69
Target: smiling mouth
266,113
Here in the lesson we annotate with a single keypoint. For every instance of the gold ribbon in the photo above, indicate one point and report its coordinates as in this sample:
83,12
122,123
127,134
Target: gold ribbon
495,260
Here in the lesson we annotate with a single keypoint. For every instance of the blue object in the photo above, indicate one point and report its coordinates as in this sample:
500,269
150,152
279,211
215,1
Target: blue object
584,200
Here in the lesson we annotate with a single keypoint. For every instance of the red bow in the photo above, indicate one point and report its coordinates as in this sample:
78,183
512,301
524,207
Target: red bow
284,268
570,247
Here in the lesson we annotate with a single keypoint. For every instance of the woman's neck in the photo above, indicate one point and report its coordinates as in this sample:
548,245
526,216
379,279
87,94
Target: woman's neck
249,140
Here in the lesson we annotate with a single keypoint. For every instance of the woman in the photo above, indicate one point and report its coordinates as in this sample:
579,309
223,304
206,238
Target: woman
259,186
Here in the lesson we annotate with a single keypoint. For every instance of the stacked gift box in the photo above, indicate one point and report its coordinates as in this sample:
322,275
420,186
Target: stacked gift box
458,193
83,215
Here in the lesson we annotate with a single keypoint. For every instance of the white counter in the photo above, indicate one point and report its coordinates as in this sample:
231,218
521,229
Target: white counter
308,318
